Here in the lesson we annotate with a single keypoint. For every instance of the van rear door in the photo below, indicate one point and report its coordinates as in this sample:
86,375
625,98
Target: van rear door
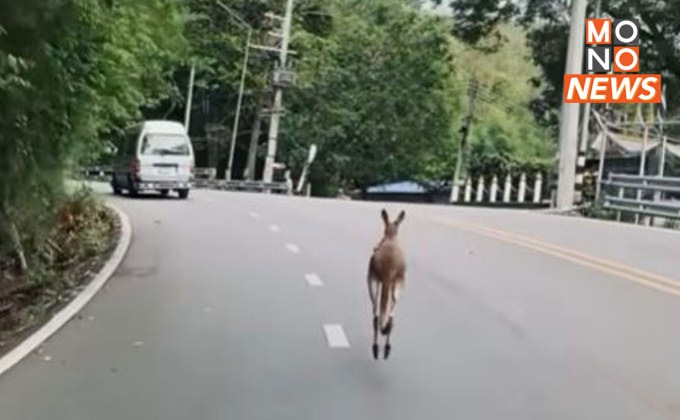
165,157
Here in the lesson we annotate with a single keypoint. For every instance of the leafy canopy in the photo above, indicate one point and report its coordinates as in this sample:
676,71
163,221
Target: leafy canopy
375,94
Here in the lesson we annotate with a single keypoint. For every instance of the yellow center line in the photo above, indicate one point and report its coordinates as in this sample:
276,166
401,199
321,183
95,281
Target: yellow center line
645,278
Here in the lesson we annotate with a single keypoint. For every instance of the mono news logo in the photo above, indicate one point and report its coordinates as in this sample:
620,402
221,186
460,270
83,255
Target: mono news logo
613,48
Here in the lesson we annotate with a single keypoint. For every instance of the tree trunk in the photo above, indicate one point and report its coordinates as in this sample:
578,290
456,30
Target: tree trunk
14,237
254,140
19,249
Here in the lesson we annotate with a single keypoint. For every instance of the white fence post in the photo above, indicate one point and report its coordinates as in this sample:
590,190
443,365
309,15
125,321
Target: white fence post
522,188
468,190
494,189
455,192
538,185
507,189
480,189
618,212
289,182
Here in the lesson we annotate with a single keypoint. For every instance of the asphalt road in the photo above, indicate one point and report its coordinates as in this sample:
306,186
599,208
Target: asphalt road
505,315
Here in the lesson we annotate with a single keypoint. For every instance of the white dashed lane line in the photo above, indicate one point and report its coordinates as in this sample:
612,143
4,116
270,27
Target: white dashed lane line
335,336
293,248
274,228
254,215
313,280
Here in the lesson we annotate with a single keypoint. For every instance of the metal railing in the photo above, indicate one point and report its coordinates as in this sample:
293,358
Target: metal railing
642,195
252,186
97,173
205,173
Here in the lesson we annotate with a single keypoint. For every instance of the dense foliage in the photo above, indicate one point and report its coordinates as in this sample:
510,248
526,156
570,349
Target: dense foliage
505,136
547,26
71,70
375,94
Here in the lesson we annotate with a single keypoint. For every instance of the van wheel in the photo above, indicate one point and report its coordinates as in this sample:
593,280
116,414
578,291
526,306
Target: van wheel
132,190
114,186
183,193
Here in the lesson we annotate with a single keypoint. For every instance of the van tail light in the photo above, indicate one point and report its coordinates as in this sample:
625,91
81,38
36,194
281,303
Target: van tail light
135,167
191,168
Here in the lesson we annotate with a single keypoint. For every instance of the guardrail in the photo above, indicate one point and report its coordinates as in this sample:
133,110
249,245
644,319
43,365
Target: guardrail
96,173
205,178
205,173
253,186
642,195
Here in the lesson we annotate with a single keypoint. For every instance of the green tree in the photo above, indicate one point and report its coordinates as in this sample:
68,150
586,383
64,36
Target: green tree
375,94
217,41
505,135
547,25
71,71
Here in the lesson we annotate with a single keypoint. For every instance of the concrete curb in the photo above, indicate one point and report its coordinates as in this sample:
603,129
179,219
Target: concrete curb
69,311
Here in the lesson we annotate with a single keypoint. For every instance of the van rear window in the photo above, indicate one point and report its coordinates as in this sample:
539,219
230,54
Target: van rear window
165,144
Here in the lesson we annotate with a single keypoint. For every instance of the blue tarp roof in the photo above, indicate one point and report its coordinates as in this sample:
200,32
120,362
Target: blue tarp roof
398,187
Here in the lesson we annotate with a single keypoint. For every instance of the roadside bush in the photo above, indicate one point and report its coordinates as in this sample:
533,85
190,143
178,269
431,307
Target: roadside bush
671,224
64,245
74,229
596,211
82,229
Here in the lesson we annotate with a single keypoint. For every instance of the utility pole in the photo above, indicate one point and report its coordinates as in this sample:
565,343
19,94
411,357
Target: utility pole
305,168
583,146
603,122
268,173
661,112
190,95
234,131
643,161
462,145
244,68
570,112
254,138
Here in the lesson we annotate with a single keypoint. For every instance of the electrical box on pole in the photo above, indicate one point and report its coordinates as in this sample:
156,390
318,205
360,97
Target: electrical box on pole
282,68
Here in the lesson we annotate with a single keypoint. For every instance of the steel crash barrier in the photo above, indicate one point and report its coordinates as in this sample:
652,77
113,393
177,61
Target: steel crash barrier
251,186
642,195
205,173
203,178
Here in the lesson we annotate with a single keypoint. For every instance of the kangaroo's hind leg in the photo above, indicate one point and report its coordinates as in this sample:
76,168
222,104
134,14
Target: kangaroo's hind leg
396,291
373,290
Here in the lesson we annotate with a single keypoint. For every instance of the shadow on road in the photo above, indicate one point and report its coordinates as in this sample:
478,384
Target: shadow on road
149,196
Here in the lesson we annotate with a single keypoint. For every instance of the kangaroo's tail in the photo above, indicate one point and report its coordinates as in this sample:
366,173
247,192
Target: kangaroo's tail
386,301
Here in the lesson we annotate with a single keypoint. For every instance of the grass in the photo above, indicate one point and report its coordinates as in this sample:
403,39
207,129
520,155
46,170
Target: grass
596,211
671,224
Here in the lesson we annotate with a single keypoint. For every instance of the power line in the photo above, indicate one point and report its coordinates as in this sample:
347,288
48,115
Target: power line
500,105
501,100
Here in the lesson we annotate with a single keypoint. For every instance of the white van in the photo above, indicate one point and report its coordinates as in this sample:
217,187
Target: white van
154,156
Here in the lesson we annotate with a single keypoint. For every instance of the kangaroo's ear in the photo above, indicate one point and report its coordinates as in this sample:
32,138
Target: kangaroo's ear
385,217
400,218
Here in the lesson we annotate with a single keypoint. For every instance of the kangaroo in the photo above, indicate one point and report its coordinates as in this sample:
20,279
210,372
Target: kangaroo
386,273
